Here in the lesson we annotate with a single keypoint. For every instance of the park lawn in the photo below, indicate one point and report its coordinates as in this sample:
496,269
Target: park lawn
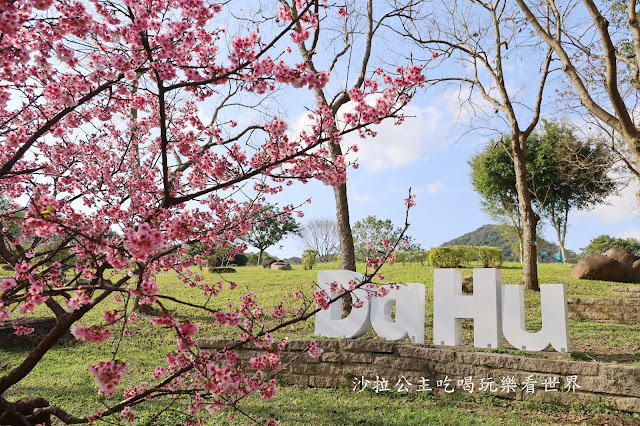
62,376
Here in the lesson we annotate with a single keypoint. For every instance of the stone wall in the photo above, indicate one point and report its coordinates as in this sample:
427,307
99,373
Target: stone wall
622,311
632,291
41,327
347,362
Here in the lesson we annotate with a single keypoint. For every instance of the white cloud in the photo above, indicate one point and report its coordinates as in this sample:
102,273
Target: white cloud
396,146
361,198
633,233
435,188
428,189
618,207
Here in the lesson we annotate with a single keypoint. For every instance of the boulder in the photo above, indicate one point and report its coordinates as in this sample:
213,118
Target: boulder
467,284
267,263
41,326
621,255
601,267
280,266
636,270
222,270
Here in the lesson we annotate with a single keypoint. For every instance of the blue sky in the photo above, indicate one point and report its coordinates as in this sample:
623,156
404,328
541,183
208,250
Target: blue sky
428,154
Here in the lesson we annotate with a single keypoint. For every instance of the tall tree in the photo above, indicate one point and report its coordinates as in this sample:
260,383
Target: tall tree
321,235
72,72
493,178
479,41
360,26
270,226
564,173
600,59
568,173
370,234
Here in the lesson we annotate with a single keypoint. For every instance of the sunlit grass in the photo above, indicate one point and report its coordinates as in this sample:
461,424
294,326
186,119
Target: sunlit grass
62,376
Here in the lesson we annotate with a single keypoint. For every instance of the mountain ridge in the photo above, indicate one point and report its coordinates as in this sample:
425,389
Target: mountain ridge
493,235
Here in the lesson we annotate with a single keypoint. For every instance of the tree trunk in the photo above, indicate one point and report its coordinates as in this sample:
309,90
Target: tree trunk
563,252
260,257
347,251
561,230
521,251
564,235
529,217
556,226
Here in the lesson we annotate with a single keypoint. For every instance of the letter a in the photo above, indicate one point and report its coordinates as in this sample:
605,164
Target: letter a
409,321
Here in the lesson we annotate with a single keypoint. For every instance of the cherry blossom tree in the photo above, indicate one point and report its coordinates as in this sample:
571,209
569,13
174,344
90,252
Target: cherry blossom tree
132,129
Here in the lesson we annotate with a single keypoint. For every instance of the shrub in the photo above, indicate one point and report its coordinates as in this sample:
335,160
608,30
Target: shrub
309,258
491,257
603,243
441,257
452,256
465,254
458,256
421,256
240,260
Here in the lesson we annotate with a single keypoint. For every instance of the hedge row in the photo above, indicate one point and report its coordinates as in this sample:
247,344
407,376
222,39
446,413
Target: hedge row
453,256
458,256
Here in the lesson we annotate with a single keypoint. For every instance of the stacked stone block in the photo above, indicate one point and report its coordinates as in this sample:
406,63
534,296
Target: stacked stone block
345,362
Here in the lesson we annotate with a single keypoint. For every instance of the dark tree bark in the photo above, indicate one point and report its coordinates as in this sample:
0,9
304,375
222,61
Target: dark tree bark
347,254
529,217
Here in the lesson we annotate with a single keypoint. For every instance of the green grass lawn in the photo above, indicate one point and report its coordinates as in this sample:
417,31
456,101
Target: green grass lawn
62,376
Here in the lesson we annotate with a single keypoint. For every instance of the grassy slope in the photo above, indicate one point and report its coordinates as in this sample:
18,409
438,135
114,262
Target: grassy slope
63,378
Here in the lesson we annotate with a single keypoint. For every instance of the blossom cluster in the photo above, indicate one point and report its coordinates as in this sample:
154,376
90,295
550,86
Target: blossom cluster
109,374
91,334
114,176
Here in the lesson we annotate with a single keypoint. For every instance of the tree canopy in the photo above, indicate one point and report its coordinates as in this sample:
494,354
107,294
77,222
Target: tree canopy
564,173
602,243
321,236
371,235
131,130
271,226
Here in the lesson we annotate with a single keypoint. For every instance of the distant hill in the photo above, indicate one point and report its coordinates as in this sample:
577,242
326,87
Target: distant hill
491,235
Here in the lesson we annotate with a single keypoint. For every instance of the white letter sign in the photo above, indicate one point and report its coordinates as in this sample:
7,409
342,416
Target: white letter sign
450,306
554,331
409,317
494,308
409,322
329,322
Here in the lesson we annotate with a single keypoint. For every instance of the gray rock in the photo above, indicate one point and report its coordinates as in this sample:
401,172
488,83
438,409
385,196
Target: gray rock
601,267
280,266
467,284
621,255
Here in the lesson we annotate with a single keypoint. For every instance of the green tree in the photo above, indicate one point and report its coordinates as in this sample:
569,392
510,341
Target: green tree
375,231
493,177
270,227
564,173
568,174
603,243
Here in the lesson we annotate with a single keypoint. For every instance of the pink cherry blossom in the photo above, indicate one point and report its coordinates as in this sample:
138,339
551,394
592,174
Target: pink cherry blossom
115,174
144,241
314,350
22,330
90,334
109,375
